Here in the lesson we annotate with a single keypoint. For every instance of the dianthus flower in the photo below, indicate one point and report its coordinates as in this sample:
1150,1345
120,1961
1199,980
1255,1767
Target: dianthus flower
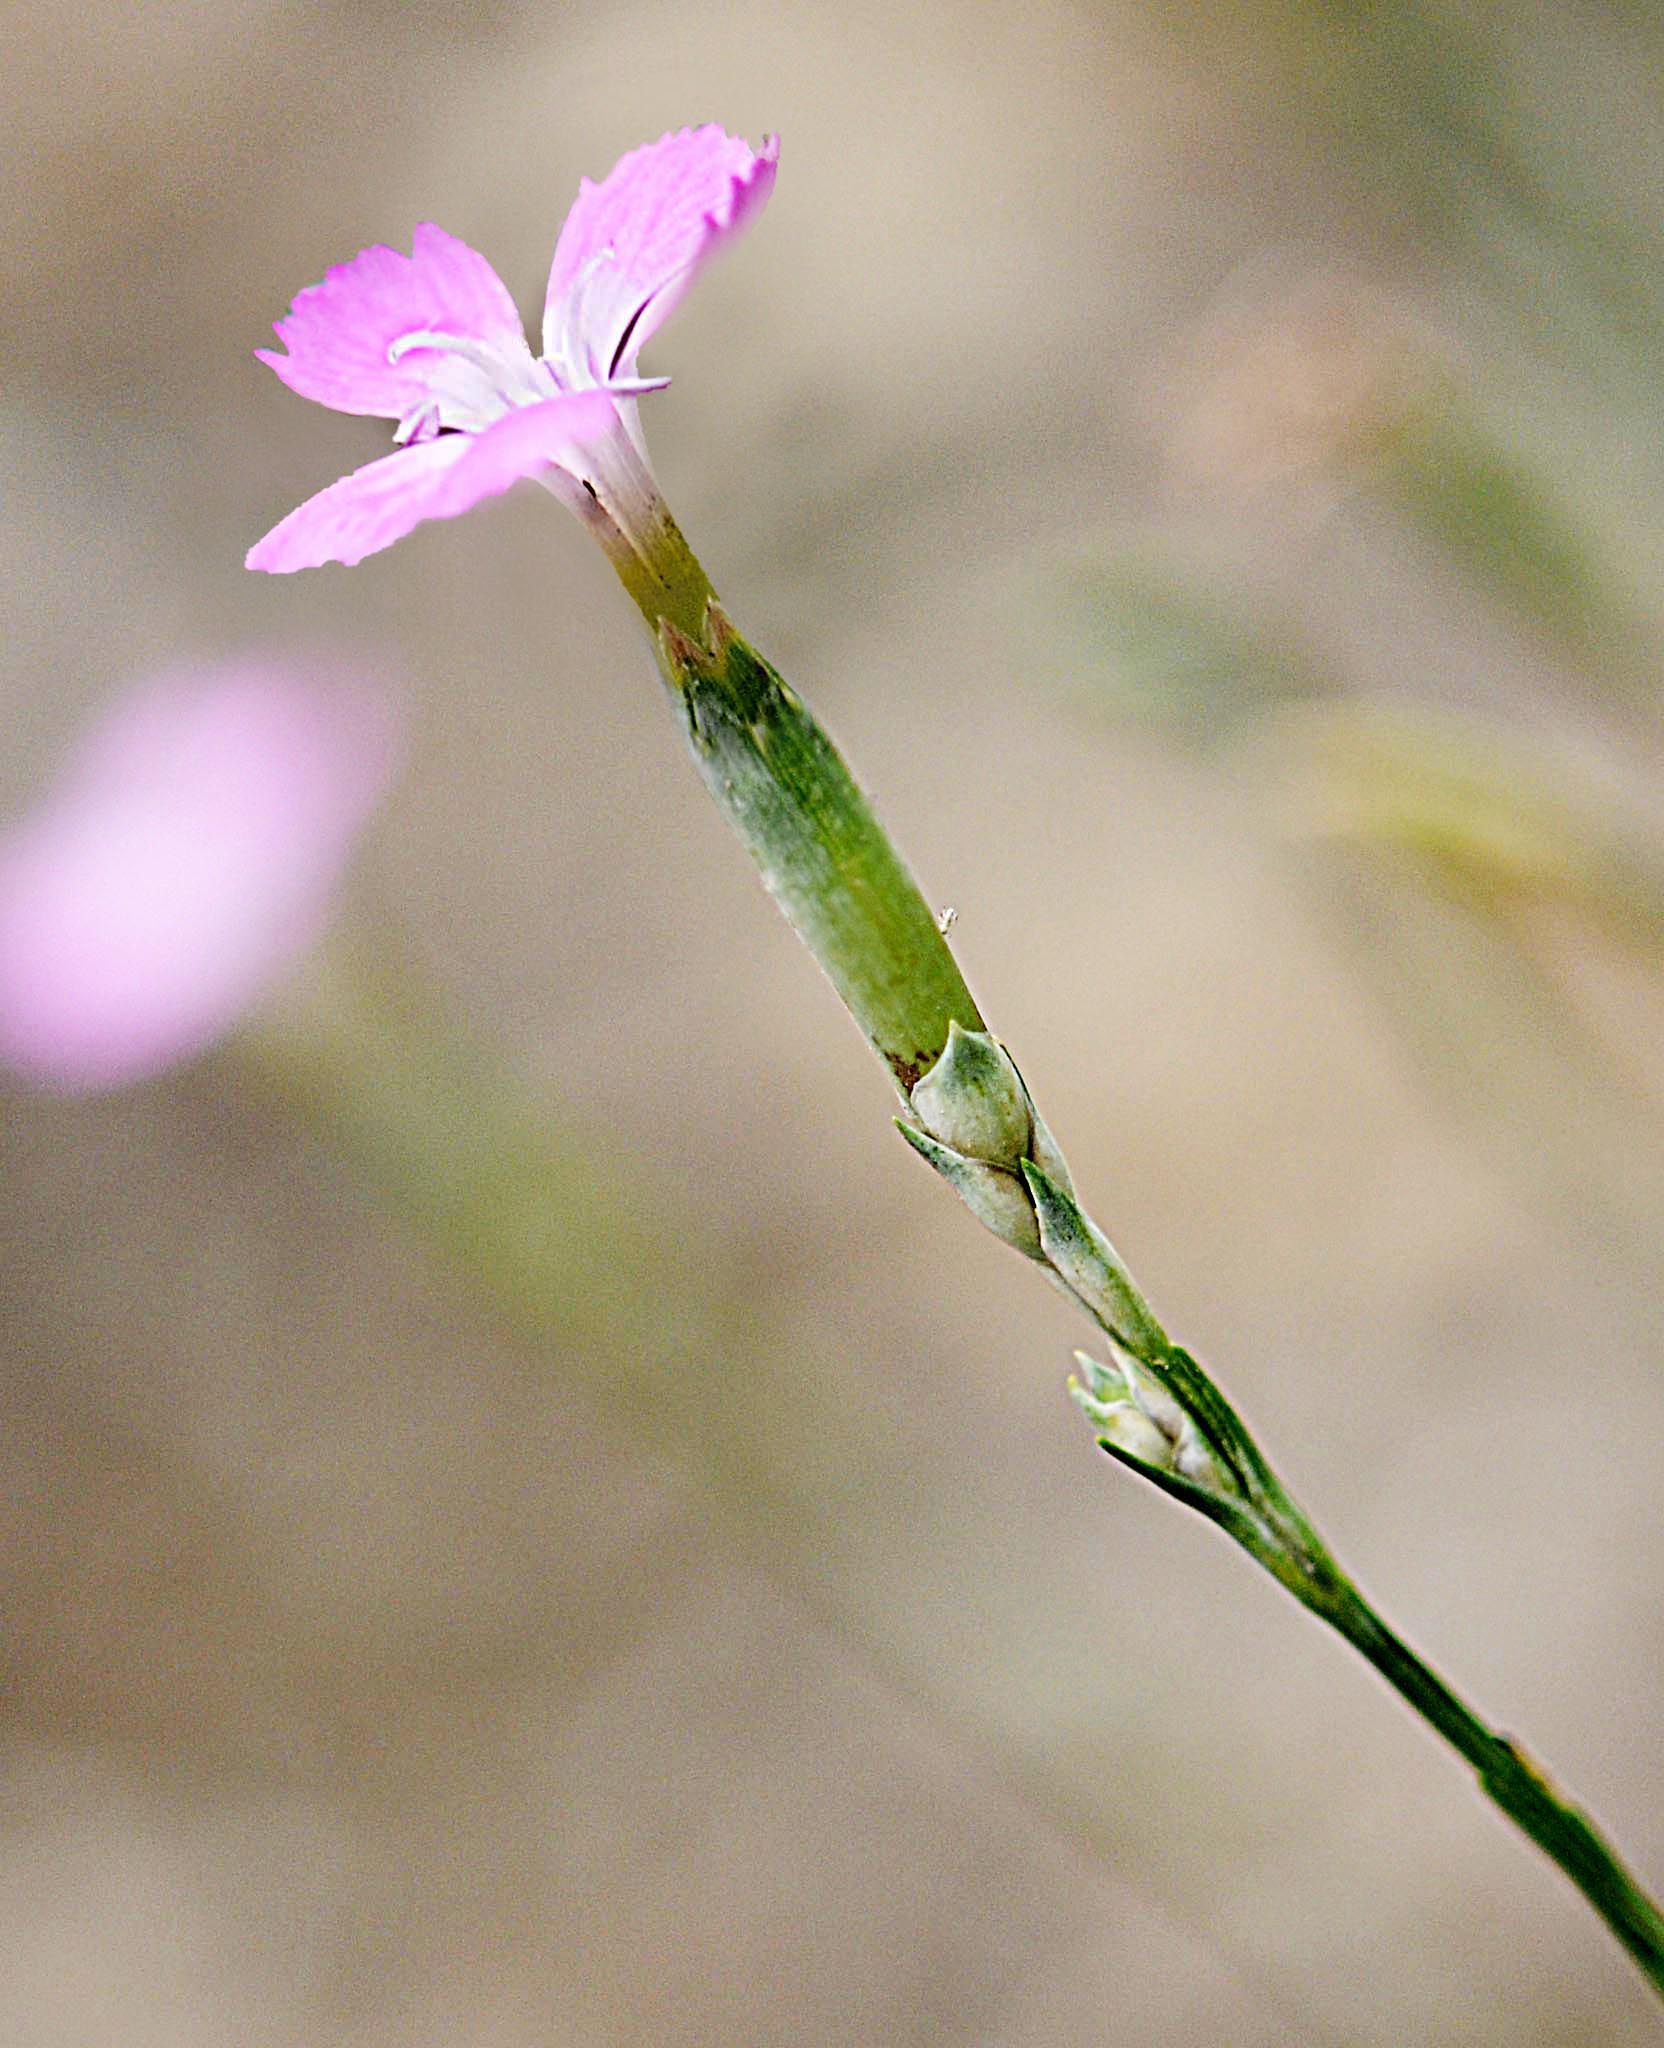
432,341
185,859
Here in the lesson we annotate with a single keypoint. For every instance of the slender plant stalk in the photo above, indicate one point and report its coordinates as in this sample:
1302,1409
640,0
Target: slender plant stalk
787,793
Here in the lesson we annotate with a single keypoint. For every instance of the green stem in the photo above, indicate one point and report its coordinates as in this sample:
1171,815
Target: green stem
825,858
787,793
1510,1778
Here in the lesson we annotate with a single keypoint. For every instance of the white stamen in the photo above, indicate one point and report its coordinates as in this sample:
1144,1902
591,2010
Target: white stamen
464,382
419,423
480,353
564,334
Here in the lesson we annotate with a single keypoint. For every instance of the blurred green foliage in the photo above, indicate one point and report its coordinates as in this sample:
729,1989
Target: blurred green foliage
1521,149
1143,639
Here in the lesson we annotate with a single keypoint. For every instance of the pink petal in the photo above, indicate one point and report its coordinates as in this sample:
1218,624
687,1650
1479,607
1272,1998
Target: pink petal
380,503
184,860
367,510
338,332
633,244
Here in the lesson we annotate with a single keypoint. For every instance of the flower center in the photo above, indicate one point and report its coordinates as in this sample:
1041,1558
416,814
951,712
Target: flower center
467,383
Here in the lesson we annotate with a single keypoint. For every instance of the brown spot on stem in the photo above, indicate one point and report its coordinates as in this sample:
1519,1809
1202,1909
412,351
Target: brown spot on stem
908,1072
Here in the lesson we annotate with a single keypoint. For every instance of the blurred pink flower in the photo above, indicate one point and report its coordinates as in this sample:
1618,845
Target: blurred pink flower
185,858
432,341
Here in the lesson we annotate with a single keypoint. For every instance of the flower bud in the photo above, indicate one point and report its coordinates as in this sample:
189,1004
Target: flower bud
1155,1401
1132,1411
1130,1429
1193,1460
1109,1401
973,1100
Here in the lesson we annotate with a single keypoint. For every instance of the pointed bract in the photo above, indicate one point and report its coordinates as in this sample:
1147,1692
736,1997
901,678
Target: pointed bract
993,1196
974,1100
1091,1268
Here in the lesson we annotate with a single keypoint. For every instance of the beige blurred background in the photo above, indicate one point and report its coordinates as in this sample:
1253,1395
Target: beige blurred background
742,1641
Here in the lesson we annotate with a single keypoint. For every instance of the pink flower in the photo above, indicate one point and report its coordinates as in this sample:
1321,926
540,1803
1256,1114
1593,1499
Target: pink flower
186,857
433,342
